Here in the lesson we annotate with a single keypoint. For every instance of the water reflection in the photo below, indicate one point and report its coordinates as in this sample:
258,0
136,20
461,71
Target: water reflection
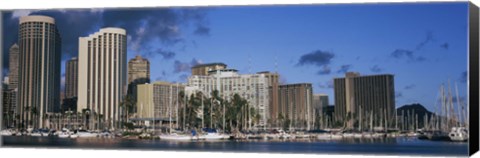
386,145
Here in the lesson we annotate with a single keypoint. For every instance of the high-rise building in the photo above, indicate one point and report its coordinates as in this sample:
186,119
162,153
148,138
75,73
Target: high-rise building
273,83
204,69
296,105
69,97
71,78
10,94
102,74
39,69
252,87
320,101
13,67
367,96
159,101
9,99
138,73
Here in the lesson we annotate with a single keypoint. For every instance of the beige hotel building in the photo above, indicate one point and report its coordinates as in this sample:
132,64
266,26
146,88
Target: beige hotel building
102,72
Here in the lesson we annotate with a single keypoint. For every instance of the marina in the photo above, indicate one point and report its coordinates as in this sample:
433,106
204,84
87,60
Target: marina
396,146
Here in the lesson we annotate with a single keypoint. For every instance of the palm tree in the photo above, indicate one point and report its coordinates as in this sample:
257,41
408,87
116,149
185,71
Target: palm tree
348,119
215,110
192,110
181,96
25,115
127,105
34,116
85,115
17,122
100,118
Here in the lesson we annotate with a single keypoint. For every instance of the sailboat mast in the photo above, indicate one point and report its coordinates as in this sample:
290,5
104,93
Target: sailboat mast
223,125
176,109
170,111
184,109
396,120
451,114
211,110
461,119
361,121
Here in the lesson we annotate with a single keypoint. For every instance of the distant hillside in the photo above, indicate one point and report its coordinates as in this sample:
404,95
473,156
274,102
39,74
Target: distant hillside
414,109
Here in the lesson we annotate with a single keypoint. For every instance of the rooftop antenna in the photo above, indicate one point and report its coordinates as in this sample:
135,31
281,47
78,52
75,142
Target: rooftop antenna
249,64
276,65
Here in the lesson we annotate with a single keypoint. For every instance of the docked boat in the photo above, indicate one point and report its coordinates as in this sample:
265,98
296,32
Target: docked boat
64,133
85,134
357,135
212,134
284,135
367,135
36,133
324,136
73,136
273,136
458,134
379,135
6,133
437,135
177,137
44,132
336,136
302,136
348,135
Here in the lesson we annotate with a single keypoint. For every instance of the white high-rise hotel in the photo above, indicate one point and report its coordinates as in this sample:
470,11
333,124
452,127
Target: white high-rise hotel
102,74
253,87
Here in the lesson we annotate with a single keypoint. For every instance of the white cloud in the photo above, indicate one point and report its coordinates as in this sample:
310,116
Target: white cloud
20,13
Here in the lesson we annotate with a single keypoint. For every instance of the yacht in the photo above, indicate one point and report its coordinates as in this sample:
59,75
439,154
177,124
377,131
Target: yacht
357,135
379,135
458,134
6,133
324,136
64,133
336,136
86,134
212,134
437,135
177,137
367,135
348,135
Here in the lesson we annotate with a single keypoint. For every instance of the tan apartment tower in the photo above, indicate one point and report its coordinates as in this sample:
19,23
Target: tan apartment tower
369,96
138,73
273,85
69,100
203,69
159,101
295,104
13,67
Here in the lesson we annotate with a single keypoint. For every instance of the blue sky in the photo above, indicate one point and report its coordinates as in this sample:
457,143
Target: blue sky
422,44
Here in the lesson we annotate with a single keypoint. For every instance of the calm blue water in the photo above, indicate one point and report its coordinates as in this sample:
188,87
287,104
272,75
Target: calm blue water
389,146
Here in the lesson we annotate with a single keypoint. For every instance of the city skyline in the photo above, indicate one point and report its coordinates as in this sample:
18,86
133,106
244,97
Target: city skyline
317,51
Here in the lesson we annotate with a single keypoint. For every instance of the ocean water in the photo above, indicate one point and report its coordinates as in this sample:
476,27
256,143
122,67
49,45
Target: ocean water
385,146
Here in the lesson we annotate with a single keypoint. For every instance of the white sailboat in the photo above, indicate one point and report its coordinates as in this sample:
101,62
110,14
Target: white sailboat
6,133
458,134
175,136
